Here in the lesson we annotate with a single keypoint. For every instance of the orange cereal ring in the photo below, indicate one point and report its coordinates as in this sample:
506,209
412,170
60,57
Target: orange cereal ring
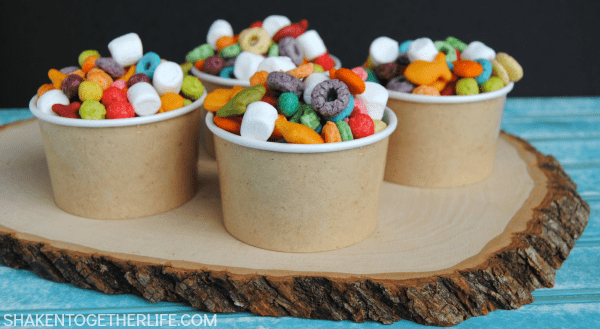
259,78
171,101
44,88
467,69
355,84
302,71
56,77
331,133
199,64
100,77
224,42
89,63
231,124
426,90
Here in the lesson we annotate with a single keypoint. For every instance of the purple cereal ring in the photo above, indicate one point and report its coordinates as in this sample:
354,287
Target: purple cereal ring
213,65
140,77
330,97
290,47
401,84
230,62
70,85
285,83
110,66
387,71
69,69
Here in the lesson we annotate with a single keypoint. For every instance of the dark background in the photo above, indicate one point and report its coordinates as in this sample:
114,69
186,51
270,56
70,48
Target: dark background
556,42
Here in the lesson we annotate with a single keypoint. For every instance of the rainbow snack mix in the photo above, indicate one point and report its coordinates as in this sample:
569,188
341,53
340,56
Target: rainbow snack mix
275,44
301,106
445,68
127,84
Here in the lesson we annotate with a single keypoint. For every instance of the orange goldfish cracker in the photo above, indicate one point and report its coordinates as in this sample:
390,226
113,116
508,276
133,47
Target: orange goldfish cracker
89,63
224,42
100,77
231,124
467,69
425,73
355,84
199,64
439,84
56,77
44,88
171,101
259,78
331,133
426,90
276,133
302,71
297,133
219,97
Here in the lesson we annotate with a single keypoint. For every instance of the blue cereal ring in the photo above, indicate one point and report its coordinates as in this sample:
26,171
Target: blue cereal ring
487,71
148,64
319,129
404,46
227,72
450,65
344,114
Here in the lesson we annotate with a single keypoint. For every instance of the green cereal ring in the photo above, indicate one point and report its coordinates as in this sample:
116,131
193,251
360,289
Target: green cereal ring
310,118
345,131
186,102
499,71
92,110
191,87
514,69
237,105
467,86
370,75
454,42
273,50
231,51
296,117
288,104
493,83
318,68
201,52
447,49
85,54
186,67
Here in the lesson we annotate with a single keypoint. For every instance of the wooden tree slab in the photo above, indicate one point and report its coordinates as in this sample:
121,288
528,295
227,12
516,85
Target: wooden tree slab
439,256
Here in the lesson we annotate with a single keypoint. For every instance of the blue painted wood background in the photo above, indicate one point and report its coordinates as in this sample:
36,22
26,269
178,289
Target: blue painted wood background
568,128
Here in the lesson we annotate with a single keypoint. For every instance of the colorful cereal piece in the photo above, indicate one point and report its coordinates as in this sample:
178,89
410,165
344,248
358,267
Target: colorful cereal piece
283,82
231,51
85,54
456,43
447,49
192,88
148,64
467,69
499,71
227,73
89,90
302,71
70,85
110,66
361,126
422,72
213,65
331,133
120,110
310,118
345,131
201,52
325,61
330,97
514,69
400,84
100,77
379,126
170,101
113,95
354,82
493,83
288,104
487,71
290,47
224,42
92,110
426,90
218,29
140,77
361,73
467,86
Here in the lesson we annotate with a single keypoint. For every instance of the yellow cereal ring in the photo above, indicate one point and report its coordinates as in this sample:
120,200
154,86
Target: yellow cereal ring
499,71
90,90
255,40
514,69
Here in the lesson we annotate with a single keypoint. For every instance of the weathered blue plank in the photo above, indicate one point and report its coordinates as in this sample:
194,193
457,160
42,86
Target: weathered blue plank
572,153
551,107
553,128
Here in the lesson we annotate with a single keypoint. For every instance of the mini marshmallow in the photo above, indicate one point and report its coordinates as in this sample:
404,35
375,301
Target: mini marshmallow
274,23
144,98
384,50
246,64
276,63
311,44
259,121
311,82
168,77
51,97
219,28
126,49
375,99
477,50
422,49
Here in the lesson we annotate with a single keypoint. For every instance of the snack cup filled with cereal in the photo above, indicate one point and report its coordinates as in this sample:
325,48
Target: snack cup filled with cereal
118,146
300,176
274,44
449,98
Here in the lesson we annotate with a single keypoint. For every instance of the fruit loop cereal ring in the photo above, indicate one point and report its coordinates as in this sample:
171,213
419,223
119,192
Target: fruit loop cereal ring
514,69
403,48
89,90
288,104
255,40
344,114
100,77
92,110
119,110
224,42
227,72
457,44
330,97
273,50
487,71
426,90
231,51
140,77
445,47
200,53
361,126
148,64
284,82
85,54
467,86
192,88
110,66
467,69
345,131
213,65
493,83
355,84
70,85
113,95
400,84
291,48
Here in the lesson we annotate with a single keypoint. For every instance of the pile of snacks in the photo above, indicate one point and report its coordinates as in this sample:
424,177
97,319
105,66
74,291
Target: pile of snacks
445,68
301,106
127,84
274,44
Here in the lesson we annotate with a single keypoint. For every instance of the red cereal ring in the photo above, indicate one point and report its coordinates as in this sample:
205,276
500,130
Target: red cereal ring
292,30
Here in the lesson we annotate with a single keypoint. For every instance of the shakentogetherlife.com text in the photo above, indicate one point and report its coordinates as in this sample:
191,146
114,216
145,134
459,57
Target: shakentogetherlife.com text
109,320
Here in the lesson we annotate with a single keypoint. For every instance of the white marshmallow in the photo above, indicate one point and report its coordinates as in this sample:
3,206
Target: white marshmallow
219,28
311,82
49,98
477,50
126,49
274,23
276,63
375,99
168,77
311,44
422,49
144,98
259,121
384,50
246,64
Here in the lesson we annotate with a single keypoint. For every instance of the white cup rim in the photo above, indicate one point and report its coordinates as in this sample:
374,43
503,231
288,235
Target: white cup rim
108,123
450,99
237,82
303,148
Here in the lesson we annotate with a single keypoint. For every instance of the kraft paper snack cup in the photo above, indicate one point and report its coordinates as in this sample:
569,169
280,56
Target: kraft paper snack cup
300,198
122,168
212,82
444,141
